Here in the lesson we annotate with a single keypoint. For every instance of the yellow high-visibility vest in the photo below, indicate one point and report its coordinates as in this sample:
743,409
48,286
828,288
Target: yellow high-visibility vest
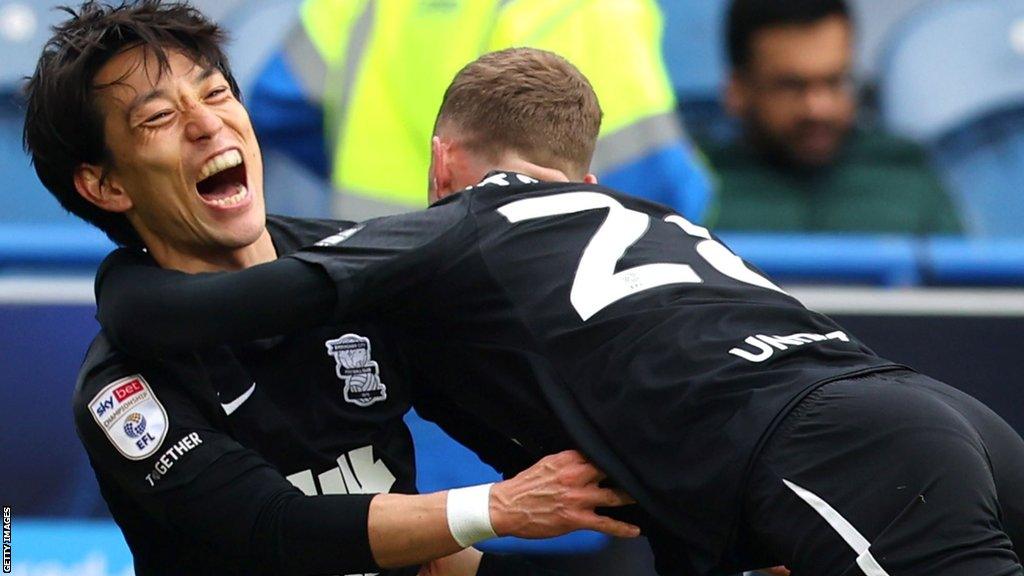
379,69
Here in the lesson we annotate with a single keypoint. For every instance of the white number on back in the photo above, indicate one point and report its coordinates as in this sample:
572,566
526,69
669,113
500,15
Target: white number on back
597,285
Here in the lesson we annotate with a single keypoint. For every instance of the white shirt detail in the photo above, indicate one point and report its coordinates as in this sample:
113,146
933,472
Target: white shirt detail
230,407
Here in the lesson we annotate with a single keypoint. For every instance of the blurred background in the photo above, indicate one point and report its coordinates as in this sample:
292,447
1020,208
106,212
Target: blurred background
869,156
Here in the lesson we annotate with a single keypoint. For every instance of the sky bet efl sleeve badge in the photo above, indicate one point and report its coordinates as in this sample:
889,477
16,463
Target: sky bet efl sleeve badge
131,417
357,369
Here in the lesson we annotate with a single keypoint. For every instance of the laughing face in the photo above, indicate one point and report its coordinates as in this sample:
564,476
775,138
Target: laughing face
184,157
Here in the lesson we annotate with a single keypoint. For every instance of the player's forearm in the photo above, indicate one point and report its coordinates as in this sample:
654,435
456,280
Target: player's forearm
177,312
406,530
555,496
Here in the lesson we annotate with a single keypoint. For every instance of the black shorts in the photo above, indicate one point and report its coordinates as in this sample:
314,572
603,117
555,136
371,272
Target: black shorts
891,473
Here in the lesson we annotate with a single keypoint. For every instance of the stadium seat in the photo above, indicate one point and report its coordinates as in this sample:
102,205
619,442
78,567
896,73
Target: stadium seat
954,80
693,46
983,162
876,21
952,64
256,29
24,28
694,49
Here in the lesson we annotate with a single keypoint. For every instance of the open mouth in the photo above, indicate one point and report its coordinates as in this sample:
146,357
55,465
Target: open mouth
223,180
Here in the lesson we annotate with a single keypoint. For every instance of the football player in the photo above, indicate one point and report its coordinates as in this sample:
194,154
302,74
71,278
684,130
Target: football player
266,457
751,430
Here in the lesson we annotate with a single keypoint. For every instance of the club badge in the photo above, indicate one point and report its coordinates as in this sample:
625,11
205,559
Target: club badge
355,367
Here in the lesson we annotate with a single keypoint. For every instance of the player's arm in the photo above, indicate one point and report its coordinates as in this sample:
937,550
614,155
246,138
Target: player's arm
555,496
152,312
173,462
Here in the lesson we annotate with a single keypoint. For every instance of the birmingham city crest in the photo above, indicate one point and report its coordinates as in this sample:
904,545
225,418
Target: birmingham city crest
357,369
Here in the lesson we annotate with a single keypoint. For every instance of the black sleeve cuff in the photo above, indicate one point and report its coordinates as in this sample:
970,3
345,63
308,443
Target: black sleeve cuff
329,533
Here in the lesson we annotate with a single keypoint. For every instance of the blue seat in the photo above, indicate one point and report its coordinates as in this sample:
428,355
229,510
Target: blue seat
875,22
983,163
694,46
952,64
23,197
954,80
24,28
256,29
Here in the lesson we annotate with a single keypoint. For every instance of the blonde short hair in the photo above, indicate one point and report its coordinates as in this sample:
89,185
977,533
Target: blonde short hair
531,101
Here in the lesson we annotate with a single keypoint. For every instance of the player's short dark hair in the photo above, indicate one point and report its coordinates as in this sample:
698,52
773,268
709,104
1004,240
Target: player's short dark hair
63,123
528,100
748,17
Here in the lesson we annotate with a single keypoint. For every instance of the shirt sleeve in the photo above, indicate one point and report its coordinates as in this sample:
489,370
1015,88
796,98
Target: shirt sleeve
152,312
152,444
376,265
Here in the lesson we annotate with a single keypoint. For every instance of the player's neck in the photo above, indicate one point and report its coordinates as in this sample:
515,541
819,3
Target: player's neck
512,162
223,260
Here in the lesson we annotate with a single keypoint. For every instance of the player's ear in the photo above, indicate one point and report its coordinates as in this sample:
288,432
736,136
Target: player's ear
590,179
440,169
93,184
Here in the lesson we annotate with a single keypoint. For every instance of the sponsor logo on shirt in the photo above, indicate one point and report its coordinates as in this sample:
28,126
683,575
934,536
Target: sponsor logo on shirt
172,455
131,416
357,369
763,347
357,472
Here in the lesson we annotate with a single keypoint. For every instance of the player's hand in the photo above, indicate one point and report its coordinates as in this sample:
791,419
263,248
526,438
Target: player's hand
555,496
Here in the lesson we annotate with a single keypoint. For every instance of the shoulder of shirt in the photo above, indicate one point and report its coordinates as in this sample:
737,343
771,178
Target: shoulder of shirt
122,256
104,364
493,197
291,233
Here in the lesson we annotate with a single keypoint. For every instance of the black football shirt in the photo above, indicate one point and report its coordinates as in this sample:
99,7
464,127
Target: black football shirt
566,314
539,316
203,457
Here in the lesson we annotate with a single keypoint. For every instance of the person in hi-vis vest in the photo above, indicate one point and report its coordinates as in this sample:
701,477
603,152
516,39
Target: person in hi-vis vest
353,92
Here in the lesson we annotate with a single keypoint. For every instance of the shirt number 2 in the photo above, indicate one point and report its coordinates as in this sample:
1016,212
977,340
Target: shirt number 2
597,285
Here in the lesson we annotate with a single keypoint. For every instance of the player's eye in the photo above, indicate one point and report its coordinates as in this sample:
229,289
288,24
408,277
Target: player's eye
156,118
217,92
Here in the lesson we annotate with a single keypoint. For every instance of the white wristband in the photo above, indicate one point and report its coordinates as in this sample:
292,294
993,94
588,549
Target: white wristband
469,514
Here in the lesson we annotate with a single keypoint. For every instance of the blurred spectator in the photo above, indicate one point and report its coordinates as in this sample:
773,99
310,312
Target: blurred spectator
801,165
354,92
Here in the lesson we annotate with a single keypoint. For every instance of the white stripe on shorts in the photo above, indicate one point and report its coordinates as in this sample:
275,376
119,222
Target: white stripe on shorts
846,530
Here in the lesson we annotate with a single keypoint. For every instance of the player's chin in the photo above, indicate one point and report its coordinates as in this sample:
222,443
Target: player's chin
240,231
